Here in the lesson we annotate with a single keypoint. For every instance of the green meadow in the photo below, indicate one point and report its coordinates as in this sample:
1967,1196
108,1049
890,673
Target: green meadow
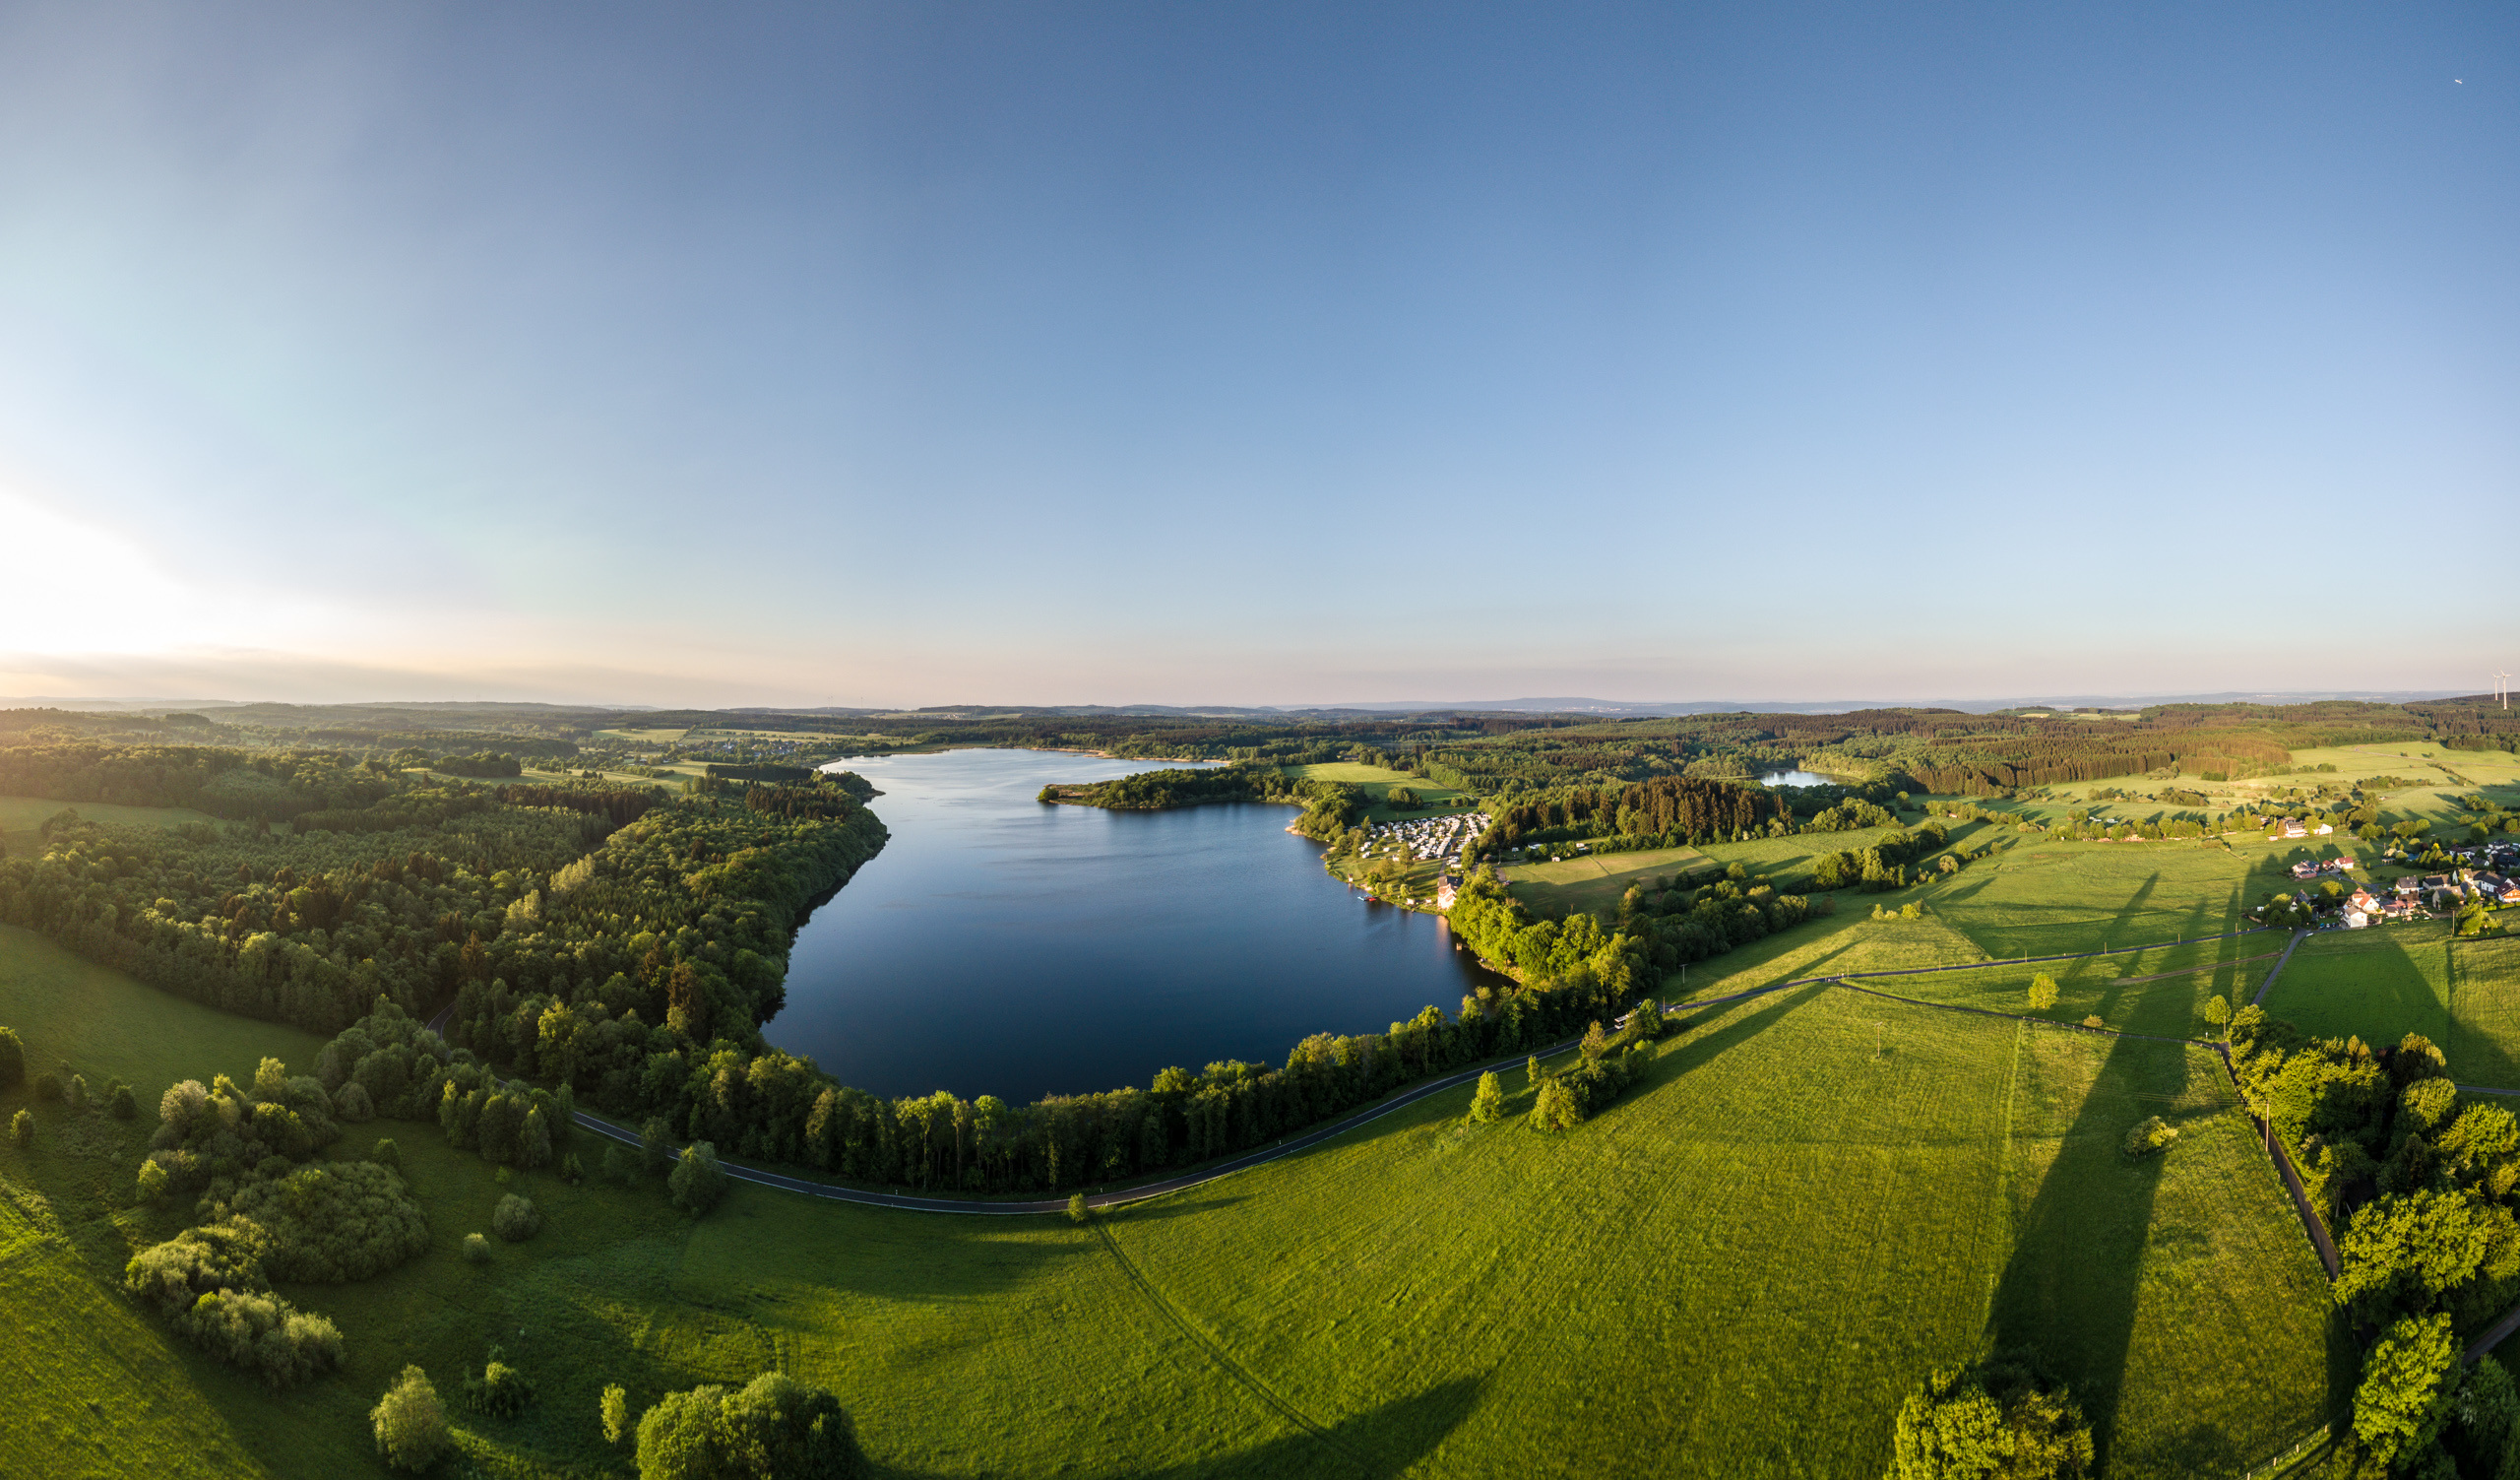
1376,783
20,817
1814,1197
2384,982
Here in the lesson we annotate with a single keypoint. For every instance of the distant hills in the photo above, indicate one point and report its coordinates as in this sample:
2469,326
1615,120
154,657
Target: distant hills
269,712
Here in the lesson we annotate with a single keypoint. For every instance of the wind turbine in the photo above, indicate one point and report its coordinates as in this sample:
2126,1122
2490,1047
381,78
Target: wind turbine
2503,687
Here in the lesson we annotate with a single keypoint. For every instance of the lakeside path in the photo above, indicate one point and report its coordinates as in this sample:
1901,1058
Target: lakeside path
1399,1101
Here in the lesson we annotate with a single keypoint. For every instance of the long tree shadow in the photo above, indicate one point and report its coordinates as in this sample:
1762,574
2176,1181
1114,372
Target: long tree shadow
2072,1287
1695,1051
1375,1446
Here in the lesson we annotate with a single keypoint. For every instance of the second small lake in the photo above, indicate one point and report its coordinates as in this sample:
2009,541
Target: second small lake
998,946
1795,778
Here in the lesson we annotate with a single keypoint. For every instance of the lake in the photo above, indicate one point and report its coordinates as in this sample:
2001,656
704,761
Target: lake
1795,778
1000,947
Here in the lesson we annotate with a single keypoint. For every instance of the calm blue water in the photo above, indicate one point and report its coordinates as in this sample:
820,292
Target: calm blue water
1000,947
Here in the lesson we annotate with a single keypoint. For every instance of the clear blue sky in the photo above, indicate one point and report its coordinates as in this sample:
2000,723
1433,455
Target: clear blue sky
919,354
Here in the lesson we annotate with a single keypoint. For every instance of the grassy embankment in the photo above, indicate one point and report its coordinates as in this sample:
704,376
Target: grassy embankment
1799,1214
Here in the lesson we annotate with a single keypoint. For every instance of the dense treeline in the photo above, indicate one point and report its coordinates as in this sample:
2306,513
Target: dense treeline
618,806
445,890
1331,808
2424,1189
724,771
1880,866
1675,809
485,764
266,786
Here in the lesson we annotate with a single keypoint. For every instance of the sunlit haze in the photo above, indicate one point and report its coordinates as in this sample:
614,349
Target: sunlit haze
910,354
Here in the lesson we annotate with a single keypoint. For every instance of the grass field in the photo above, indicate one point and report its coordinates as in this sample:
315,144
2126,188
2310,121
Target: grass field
2166,989
2385,982
1588,883
1746,1261
1774,1239
22,816
1377,782
1584,882
2040,899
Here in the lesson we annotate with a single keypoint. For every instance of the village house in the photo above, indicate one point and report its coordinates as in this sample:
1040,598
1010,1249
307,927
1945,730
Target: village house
1446,890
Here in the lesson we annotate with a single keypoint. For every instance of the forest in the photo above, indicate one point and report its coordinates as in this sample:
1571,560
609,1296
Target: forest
1331,808
622,946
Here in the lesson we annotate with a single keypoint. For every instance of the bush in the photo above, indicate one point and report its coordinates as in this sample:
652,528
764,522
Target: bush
386,1154
2002,1416
476,1249
1077,1211
154,1180
22,1130
572,1170
12,1059
2094,1021
500,1390
331,1222
263,1333
697,1182
119,1103
516,1219
2042,993
2399,1407
2150,1137
620,1165
656,1146
409,1421
614,1409
1555,1108
47,1087
78,1095
353,1103
1487,1105
774,1426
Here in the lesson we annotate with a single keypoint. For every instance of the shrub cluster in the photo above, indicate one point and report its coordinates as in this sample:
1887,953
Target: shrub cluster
332,1222
409,1421
210,1284
500,1390
697,1182
773,1428
516,1219
2150,1135
2000,1416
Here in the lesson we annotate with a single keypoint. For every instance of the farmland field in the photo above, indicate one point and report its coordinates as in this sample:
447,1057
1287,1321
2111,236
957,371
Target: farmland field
1813,1198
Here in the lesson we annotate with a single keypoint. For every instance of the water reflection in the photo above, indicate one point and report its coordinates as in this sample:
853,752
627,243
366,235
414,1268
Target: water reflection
1000,947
